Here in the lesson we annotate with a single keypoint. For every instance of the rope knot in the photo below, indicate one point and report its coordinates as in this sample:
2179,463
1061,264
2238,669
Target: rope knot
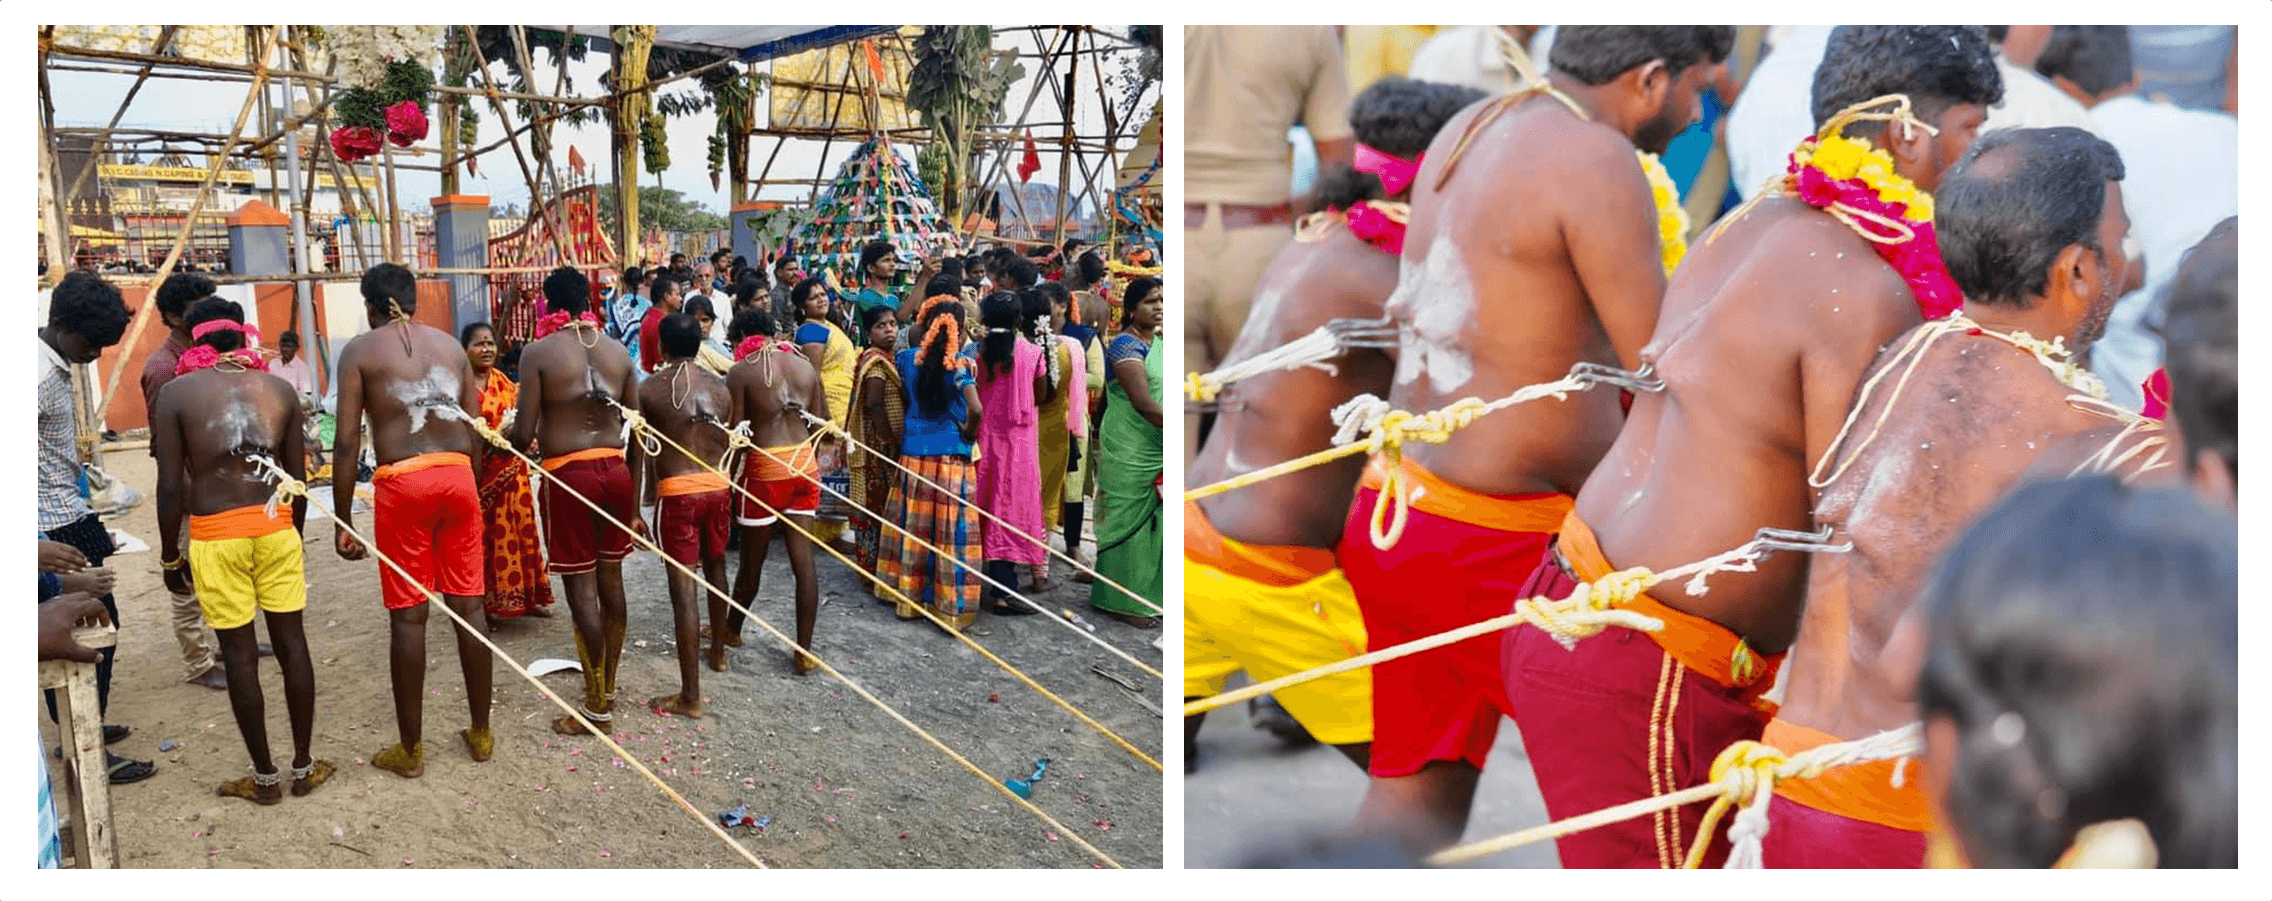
1199,389
1744,767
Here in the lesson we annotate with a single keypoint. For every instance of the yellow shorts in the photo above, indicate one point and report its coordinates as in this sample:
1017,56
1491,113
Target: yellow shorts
235,575
1232,623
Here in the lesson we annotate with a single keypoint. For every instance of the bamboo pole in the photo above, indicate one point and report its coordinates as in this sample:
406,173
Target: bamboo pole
79,183
630,78
143,316
1001,160
536,190
1064,138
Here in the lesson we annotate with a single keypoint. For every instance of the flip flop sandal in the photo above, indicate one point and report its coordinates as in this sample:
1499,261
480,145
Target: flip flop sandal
128,772
1000,607
114,734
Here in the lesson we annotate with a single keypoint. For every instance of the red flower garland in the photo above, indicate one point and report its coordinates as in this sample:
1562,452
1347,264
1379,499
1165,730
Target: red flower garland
406,123
355,142
1917,259
1368,221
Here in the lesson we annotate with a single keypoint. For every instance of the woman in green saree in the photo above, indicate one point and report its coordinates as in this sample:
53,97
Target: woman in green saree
1129,528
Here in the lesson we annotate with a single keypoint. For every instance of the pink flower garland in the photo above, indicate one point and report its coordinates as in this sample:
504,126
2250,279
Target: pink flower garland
406,123
560,319
756,343
1368,222
203,356
354,143
1918,259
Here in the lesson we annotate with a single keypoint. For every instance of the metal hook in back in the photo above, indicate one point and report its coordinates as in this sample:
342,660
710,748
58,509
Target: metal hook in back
1815,542
1643,380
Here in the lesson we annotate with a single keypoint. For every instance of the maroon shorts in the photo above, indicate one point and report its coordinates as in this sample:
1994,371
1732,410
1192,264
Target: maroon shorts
1615,720
693,527
1444,703
1801,837
797,495
576,538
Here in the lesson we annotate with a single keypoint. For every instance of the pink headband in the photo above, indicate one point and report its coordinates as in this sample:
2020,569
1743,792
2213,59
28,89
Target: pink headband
252,335
1396,173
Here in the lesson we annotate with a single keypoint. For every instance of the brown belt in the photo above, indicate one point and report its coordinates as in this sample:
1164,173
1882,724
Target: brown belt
1239,215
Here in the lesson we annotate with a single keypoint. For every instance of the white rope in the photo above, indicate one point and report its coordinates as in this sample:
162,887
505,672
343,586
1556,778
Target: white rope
1311,350
1747,834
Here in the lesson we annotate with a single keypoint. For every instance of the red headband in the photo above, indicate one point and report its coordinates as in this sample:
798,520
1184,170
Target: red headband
252,335
1396,173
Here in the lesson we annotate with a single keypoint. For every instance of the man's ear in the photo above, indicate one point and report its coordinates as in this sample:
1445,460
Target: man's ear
1652,83
2078,278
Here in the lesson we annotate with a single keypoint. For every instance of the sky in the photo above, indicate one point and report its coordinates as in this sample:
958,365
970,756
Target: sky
85,99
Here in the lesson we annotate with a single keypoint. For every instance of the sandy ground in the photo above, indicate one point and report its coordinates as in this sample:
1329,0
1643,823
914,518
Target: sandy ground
845,785
1254,795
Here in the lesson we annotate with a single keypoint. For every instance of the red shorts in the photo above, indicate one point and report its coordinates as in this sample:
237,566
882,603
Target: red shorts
693,527
576,538
1801,837
1586,717
1443,573
427,517
786,480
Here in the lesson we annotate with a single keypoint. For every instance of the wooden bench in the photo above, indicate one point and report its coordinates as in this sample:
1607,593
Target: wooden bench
79,720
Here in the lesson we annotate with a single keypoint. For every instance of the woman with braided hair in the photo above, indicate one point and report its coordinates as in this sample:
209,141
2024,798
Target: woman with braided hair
1037,322
943,415
1012,378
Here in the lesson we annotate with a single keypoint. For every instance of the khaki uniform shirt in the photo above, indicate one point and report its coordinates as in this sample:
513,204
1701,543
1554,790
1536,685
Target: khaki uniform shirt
1243,87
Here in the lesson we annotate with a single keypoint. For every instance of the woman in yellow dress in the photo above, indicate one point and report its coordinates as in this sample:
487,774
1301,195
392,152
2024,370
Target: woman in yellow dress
832,355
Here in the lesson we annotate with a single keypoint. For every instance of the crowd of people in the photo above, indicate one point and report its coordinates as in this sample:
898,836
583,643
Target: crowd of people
1864,387
703,409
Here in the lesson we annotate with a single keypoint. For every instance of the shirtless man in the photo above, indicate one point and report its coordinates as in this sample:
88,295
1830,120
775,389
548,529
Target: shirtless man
419,390
2031,223
772,385
1764,335
1261,590
200,653
221,411
571,380
1533,246
688,405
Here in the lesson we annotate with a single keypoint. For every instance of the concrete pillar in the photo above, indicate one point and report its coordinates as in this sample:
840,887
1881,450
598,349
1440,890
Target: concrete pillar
259,237
461,241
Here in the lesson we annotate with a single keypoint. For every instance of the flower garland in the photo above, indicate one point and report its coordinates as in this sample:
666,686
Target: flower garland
952,325
1380,223
1672,218
756,343
560,319
1856,182
389,83
206,356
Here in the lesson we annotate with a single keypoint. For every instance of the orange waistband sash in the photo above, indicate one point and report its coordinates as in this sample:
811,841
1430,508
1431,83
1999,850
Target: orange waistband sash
242,522
1275,565
1430,494
1700,644
786,462
589,453
691,483
1862,791
409,465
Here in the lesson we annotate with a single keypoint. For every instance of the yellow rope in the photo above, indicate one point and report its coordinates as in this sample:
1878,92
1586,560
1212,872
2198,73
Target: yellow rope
1589,608
1744,773
491,435
1077,565
288,487
904,599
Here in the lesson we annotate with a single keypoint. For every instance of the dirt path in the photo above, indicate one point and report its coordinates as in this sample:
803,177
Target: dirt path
845,785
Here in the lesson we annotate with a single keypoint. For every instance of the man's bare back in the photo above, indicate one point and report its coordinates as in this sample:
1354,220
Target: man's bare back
1277,416
1764,336
691,407
406,377
1531,258
571,381
217,422
1975,416
770,390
